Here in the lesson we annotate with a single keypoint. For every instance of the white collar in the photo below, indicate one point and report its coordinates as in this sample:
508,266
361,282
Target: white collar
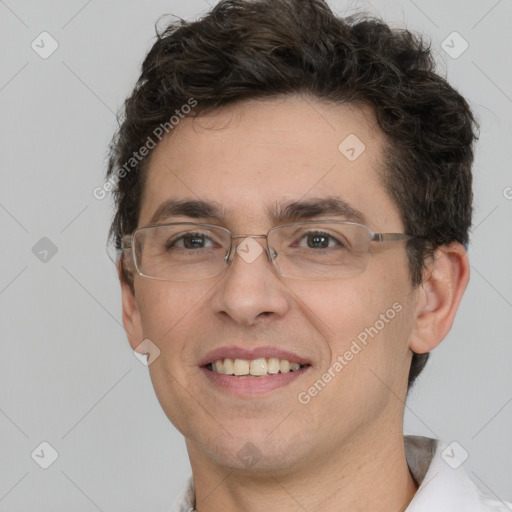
441,487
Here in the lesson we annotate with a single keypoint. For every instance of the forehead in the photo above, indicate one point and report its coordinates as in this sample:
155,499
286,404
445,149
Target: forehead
249,158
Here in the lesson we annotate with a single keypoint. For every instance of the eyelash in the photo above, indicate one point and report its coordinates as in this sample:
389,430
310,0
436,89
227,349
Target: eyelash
171,243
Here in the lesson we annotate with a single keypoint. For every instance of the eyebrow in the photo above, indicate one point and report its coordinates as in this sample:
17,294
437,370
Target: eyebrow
292,211
279,212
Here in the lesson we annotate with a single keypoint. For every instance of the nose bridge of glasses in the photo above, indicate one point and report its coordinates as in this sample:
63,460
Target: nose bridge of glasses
242,237
250,236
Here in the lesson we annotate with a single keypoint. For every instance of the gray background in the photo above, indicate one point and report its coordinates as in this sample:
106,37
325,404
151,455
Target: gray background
68,376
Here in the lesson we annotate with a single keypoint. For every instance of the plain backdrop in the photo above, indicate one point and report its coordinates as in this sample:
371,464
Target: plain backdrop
68,376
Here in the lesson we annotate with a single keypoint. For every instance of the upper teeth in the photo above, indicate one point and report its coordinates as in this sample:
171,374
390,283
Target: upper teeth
256,367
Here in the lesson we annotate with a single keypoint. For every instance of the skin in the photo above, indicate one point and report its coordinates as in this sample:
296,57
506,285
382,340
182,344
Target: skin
344,449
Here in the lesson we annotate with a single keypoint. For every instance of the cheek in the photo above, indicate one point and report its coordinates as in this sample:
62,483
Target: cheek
169,314
170,318
343,309
366,328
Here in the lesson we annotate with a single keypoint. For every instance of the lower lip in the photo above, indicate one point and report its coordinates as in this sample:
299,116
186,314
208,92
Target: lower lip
250,386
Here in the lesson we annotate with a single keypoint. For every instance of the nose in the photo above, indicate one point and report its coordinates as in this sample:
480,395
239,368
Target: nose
250,289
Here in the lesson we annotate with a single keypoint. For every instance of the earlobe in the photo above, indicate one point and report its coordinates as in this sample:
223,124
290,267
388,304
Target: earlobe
131,315
439,296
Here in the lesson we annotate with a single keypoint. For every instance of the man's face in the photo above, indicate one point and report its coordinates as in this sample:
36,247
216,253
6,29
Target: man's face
248,158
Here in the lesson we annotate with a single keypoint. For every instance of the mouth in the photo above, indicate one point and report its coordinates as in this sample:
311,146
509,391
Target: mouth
252,372
259,367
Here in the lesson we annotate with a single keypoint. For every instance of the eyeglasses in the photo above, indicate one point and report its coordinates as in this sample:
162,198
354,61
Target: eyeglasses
311,250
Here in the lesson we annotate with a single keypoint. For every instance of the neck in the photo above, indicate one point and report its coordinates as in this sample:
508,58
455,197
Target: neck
363,475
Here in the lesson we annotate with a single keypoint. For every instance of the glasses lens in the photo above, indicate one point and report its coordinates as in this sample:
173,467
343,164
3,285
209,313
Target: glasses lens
320,250
180,252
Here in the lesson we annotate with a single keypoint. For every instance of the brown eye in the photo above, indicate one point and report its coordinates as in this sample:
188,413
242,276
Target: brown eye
189,241
318,240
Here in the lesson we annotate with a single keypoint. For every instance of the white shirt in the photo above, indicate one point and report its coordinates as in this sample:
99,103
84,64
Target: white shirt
443,484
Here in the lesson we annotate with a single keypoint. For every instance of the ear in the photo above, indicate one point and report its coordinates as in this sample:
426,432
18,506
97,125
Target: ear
439,296
131,316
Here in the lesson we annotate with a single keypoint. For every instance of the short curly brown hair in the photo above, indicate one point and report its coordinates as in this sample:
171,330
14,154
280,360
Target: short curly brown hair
264,48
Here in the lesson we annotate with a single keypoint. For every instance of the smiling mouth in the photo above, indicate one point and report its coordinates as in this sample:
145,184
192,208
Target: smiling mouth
260,367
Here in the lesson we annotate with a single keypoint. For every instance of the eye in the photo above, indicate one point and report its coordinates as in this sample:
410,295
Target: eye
318,240
190,241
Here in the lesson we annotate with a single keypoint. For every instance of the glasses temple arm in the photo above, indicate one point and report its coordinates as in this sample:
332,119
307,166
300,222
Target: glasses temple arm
126,242
391,237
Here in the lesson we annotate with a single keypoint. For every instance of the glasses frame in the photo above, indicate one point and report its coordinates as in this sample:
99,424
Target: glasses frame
127,244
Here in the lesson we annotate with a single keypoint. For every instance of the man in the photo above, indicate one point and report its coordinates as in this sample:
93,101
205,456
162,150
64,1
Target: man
293,196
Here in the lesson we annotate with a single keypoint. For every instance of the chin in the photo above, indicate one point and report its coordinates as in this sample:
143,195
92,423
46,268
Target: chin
250,450
253,458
